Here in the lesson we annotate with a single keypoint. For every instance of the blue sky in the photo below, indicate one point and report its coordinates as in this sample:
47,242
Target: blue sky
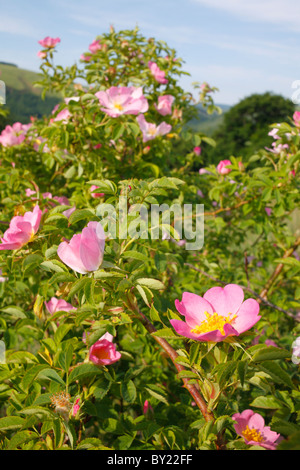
241,47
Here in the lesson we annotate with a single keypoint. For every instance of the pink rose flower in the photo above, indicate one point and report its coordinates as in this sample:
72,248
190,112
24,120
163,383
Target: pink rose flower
158,74
222,167
220,313
150,130
58,305
197,151
164,105
95,46
103,352
95,195
84,252
296,118
296,351
14,135
49,43
41,54
21,230
122,100
251,426
76,407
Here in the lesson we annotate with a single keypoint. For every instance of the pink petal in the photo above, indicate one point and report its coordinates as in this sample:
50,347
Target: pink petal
225,300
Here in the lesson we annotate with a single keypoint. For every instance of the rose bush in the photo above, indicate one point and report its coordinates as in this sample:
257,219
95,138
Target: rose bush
97,353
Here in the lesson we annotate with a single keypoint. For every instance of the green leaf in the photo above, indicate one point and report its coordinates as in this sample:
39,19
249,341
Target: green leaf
11,422
277,373
267,402
135,255
270,353
20,438
151,283
83,371
81,214
128,391
51,375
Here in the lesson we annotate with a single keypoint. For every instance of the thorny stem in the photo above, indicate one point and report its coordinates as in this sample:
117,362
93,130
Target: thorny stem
173,356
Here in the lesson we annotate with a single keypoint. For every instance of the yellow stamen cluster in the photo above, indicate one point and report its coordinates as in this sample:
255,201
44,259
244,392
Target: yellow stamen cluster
213,321
118,106
252,435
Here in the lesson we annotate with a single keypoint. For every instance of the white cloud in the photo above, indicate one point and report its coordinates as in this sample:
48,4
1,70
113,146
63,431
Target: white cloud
16,26
285,13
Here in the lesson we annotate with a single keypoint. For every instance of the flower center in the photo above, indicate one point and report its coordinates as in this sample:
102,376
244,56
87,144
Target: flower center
213,321
252,435
152,131
118,106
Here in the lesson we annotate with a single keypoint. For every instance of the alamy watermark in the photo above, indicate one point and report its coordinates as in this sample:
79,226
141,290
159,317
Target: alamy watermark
2,92
182,224
296,95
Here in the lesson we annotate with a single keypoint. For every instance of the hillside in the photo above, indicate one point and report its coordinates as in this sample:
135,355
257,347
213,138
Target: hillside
22,99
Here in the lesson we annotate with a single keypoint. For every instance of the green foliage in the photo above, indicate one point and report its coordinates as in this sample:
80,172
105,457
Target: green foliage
245,126
52,395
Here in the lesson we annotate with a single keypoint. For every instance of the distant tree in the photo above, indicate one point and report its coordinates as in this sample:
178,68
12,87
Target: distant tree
245,127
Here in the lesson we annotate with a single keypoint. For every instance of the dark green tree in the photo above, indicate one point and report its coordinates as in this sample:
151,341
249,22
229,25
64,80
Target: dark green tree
246,125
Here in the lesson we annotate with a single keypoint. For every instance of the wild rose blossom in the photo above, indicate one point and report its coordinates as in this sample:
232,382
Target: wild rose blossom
157,73
58,305
164,105
296,118
296,351
22,229
49,43
95,46
222,167
122,100
220,313
197,151
251,426
103,352
14,135
84,252
150,130
93,194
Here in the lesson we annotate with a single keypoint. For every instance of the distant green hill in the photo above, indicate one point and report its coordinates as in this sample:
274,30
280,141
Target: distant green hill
208,123
23,99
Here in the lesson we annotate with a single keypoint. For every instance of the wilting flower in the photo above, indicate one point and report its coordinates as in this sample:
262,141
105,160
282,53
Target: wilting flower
158,74
150,130
49,43
61,402
251,426
220,313
85,250
103,352
122,100
164,105
296,351
14,135
58,305
22,229
222,167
